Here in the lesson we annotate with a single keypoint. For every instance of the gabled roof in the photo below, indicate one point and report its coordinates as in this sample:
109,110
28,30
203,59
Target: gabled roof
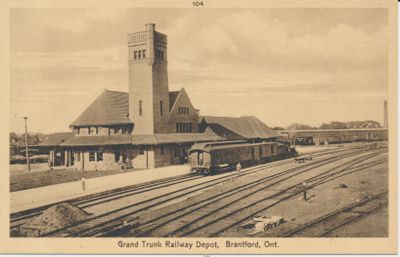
110,108
246,126
55,138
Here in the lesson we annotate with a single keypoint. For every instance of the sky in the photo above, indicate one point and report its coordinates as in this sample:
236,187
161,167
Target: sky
309,66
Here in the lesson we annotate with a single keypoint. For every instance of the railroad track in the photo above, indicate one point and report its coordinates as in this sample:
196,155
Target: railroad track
282,200
99,225
332,221
84,202
187,228
102,224
249,188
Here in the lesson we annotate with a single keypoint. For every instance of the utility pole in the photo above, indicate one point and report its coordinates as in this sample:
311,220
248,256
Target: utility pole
26,144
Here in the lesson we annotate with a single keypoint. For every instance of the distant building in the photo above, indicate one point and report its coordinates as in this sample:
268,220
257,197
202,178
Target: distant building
149,126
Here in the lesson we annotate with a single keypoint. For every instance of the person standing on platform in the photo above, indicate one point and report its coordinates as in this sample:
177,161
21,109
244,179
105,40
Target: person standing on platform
238,166
83,183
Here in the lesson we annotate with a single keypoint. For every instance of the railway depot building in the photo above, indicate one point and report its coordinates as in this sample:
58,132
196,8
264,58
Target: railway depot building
148,126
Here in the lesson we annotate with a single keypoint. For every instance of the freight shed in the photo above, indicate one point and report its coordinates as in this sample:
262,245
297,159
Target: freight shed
332,136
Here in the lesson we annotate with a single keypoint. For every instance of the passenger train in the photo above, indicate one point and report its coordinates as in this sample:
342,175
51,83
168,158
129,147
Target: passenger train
211,157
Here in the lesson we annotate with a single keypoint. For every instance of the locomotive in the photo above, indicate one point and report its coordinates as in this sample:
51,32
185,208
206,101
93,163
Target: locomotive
211,157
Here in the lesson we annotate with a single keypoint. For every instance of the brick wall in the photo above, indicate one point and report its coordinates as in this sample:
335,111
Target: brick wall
183,101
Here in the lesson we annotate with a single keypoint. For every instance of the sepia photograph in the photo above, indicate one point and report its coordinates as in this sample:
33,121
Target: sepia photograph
199,128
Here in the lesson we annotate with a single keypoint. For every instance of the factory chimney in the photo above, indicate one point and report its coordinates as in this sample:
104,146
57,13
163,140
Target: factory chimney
385,114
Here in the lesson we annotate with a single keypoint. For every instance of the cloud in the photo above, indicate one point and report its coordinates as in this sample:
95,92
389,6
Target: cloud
272,63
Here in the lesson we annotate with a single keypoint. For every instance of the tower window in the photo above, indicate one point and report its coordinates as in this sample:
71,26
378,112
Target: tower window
140,108
161,107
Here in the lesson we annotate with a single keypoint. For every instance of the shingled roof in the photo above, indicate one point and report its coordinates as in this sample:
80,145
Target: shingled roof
111,108
172,98
245,127
55,138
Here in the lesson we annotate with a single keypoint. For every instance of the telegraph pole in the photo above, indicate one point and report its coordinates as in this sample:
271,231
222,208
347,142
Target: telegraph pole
26,144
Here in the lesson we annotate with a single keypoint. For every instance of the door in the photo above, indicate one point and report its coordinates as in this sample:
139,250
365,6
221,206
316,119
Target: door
200,159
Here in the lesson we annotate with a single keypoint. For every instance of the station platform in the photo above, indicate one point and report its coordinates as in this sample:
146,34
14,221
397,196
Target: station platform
31,198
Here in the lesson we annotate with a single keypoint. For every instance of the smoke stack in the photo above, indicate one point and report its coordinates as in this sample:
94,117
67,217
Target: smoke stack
385,115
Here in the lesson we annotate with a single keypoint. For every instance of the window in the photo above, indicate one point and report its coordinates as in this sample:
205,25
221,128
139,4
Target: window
161,108
124,130
99,156
183,110
135,55
162,150
76,131
92,156
140,108
117,155
139,54
141,151
92,130
78,156
144,54
184,127
159,55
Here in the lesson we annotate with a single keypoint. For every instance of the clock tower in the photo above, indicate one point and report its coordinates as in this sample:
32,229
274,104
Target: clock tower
148,81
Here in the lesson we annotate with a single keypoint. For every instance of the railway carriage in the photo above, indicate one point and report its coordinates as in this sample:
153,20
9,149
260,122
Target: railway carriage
211,157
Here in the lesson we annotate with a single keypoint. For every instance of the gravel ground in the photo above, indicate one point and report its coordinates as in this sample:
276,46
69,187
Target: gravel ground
328,197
